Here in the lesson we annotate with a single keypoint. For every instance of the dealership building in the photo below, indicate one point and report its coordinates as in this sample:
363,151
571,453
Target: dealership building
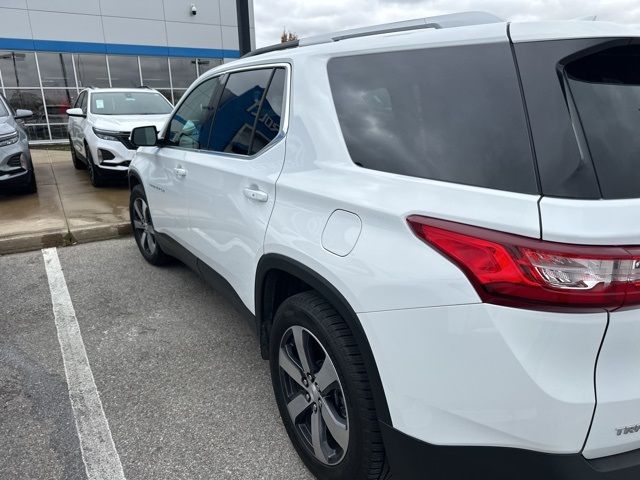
51,49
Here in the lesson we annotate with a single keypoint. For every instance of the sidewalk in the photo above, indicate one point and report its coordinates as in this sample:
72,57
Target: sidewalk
67,209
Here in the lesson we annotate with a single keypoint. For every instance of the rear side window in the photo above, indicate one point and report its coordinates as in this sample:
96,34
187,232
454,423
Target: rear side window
453,114
237,111
269,119
605,87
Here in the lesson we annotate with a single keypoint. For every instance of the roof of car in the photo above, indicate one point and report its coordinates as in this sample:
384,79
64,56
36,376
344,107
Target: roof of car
456,29
114,89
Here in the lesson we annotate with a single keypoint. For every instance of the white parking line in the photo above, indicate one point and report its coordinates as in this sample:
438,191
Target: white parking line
99,453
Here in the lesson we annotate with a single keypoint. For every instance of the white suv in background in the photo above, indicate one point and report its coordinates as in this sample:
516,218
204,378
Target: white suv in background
100,125
433,229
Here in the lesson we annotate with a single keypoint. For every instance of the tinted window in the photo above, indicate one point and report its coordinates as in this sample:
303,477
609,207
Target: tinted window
270,116
129,103
564,170
606,90
453,114
191,123
80,100
237,111
84,102
124,71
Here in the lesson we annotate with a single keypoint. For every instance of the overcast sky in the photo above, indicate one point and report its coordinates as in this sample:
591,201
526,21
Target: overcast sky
309,17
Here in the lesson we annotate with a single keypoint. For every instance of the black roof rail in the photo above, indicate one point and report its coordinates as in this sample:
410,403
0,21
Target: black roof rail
145,86
441,21
272,48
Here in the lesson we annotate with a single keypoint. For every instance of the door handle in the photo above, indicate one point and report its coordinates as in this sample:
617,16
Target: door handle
180,172
256,194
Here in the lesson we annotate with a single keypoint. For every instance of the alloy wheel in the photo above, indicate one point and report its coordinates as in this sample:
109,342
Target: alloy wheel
143,226
315,398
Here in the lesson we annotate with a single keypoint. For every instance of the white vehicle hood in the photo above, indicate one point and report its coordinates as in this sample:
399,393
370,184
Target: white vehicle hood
126,123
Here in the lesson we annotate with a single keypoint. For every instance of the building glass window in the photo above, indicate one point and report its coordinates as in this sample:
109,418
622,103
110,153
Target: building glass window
56,70
58,101
183,72
60,82
19,69
124,71
59,131
92,70
155,72
205,64
38,132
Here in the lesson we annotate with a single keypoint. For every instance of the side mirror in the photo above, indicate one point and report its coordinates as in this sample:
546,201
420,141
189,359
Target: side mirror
22,114
144,136
76,112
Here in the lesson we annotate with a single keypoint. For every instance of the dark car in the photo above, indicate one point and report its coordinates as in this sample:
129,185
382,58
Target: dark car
16,167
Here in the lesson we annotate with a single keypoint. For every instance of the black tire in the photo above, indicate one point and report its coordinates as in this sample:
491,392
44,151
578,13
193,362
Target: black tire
95,175
364,457
77,163
32,186
155,256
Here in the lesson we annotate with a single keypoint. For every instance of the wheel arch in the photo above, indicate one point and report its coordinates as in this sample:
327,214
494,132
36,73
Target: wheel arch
271,269
134,179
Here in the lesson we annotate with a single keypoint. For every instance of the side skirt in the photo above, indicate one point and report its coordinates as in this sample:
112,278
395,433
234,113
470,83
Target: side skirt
214,279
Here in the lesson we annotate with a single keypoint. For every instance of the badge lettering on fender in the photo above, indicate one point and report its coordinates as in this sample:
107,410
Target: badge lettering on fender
628,430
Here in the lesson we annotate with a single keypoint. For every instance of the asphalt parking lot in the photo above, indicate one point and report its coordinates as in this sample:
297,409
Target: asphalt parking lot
183,388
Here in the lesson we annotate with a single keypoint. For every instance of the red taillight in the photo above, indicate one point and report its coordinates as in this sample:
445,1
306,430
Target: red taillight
514,270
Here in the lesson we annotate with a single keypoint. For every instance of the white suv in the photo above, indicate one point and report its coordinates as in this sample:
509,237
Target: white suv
100,126
428,225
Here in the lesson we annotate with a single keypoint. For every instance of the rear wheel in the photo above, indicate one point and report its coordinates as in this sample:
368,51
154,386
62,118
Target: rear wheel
323,393
95,175
77,163
143,230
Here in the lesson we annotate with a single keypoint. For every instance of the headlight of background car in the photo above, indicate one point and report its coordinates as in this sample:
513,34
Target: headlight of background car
106,135
8,139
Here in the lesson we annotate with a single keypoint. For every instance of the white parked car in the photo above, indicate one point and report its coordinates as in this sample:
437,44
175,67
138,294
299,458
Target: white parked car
100,127
432,228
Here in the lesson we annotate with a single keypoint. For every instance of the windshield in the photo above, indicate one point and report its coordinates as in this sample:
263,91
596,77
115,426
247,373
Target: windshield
606,91
129,103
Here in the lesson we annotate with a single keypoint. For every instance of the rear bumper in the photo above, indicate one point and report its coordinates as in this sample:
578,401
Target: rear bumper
411,458
482,374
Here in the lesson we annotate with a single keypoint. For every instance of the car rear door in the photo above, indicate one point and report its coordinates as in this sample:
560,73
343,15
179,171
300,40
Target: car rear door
231,181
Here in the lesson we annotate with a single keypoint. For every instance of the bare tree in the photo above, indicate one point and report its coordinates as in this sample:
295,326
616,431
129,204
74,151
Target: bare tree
287,36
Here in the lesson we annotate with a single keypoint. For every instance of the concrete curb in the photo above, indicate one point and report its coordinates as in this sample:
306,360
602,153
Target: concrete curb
62,238
28,242
100,232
